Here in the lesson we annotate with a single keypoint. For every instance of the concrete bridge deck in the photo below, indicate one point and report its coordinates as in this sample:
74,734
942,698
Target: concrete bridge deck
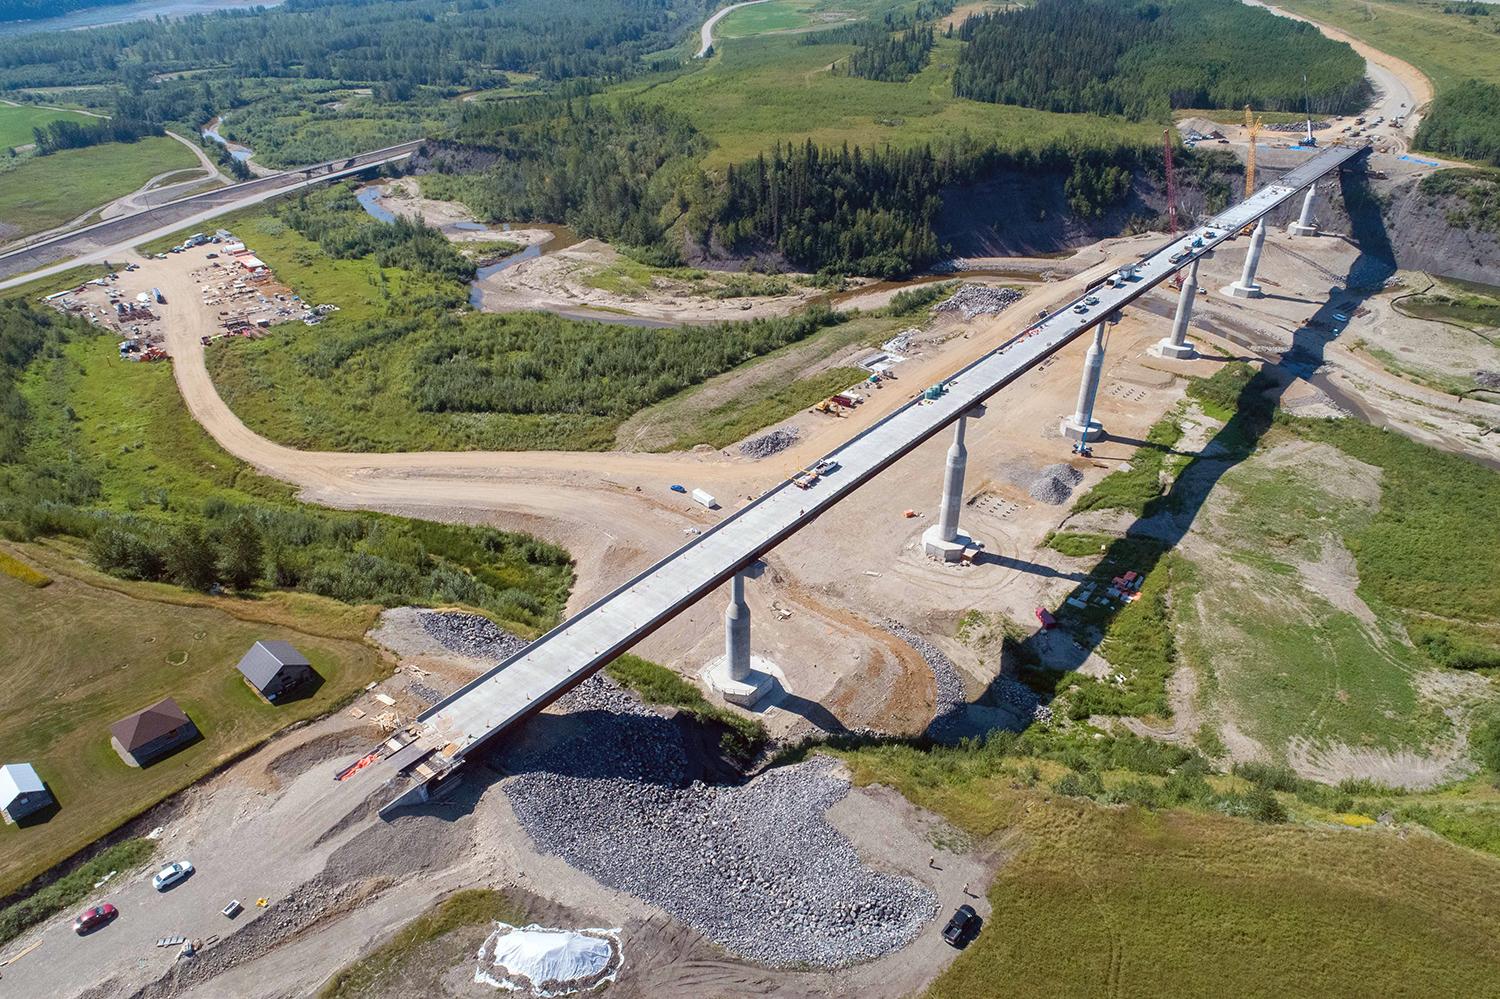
585,643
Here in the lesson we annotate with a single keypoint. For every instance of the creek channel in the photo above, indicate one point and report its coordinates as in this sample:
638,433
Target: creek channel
562,237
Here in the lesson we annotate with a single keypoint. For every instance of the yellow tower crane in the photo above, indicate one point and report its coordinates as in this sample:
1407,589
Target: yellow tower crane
1252,127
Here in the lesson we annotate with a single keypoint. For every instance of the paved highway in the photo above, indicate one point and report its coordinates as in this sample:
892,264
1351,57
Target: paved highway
706,33
95,242
585,643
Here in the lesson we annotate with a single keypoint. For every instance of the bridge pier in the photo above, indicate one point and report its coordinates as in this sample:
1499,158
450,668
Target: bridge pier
1176,345
1246,287
732,675
1305,226
942,539
1082,426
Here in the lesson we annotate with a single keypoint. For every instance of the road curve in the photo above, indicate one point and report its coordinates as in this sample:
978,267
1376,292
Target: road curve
706,33
1401,88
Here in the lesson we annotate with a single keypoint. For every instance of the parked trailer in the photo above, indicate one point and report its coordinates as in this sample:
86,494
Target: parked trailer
704,498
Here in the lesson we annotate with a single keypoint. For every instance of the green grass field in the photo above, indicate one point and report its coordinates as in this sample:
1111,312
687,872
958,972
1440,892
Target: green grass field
1448,47
125,646
1273,625
762,89
17,121
45,191
1120,901
790,15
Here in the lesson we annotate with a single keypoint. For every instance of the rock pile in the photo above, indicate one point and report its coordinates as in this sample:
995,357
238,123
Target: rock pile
771,443
979,300
1487,379
471,635
1299,127
757,868
950,685
1054,484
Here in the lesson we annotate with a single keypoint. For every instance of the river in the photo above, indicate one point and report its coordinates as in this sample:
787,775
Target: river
239,152
143,10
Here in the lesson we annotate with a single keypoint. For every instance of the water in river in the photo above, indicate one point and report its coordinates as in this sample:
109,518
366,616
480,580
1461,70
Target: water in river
143,10
239,152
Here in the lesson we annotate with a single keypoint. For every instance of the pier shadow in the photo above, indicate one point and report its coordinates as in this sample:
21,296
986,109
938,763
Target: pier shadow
1166,519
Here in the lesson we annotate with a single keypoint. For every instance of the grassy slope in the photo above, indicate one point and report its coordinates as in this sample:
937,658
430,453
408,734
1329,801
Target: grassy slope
1124,902
1285,661
762,89
1447,47
46,191
410,961
16,123
125,646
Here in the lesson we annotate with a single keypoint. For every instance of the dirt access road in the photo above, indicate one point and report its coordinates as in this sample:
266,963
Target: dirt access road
536,486
1401,89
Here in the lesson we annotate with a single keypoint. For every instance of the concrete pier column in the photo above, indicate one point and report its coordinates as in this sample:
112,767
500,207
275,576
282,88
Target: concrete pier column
734,676
1246,287
737,631
953,483
1082,426
942,540
1305,226
1176,345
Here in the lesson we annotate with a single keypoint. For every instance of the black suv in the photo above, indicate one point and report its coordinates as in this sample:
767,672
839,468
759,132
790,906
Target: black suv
959,928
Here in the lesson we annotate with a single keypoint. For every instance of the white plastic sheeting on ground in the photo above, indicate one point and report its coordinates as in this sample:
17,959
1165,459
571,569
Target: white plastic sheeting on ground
548,962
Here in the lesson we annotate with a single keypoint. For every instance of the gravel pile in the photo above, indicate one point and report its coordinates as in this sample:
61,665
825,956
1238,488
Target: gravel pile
1054,484
768,444
1299,127
978,300
757,868
471,635
950,685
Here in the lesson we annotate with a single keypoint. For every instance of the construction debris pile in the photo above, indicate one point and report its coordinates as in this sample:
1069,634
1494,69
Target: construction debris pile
470,635
541,961
1054,484
949,695
756,868
979,300
768,444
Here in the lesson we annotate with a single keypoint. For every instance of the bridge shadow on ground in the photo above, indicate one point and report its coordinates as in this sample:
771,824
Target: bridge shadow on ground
1165,520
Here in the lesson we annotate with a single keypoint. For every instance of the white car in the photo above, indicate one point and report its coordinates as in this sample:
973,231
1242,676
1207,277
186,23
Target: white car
171,874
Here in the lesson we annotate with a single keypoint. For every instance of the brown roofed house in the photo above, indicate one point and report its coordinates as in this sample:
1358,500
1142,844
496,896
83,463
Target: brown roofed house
151,733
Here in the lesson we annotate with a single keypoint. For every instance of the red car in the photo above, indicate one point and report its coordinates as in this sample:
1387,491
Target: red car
92,918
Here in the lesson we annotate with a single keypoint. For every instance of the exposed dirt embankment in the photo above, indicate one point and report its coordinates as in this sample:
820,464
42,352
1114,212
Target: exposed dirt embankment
1424,240
1019,213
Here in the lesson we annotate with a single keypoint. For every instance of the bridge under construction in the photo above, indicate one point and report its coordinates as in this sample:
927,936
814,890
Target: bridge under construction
441,738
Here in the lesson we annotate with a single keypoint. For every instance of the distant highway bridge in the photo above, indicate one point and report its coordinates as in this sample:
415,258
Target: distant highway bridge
79,245
526,682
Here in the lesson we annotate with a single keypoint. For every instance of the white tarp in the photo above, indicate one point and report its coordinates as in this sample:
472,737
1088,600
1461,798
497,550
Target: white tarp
529,957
